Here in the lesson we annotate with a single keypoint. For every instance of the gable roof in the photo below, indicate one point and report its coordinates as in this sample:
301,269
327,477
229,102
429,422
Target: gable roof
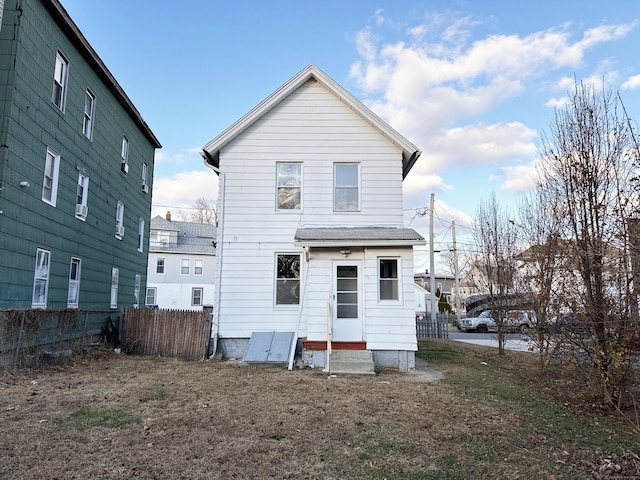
211,151
192,237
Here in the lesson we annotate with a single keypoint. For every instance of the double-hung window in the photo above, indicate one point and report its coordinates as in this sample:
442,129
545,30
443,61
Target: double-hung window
389,282
41,279
289,186
160,265
115,277
120,220
89,111
196,297
184,266
151,296
60,75
124,156
140,234
197,267
145,174
81,196
346,185
50,181
74,283
287,279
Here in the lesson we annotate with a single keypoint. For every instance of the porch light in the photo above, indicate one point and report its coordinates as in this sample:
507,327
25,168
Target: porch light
345,252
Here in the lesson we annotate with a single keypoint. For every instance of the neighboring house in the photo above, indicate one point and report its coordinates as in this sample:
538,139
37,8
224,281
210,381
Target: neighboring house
182,264
76,166
311,225
445,284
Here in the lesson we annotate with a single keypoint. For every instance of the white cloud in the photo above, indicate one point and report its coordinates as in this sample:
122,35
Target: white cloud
631,83
557,102
181,190
516,178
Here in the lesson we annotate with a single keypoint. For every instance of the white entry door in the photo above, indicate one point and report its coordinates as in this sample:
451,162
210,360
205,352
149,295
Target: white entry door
347,318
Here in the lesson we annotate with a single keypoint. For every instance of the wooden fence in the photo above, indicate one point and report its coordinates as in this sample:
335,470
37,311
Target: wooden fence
428,328
167,333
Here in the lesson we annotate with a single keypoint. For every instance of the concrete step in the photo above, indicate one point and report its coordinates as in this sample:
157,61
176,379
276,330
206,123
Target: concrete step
351,362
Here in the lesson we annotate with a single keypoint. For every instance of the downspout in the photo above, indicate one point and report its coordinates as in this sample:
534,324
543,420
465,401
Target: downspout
215,324
303,291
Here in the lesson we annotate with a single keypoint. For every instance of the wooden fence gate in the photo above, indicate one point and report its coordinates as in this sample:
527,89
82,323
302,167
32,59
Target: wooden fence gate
167,333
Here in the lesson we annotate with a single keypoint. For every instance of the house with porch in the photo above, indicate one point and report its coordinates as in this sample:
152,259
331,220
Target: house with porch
311,241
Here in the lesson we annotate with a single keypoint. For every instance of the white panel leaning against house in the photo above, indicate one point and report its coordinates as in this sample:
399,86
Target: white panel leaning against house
182,264
311,205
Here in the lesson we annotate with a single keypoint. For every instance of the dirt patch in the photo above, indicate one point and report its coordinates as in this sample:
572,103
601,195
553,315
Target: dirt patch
113,416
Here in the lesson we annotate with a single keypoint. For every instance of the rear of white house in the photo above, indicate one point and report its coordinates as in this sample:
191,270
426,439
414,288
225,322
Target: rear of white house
311,237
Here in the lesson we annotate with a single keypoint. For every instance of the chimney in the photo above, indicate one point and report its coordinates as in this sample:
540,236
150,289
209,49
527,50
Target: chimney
168,216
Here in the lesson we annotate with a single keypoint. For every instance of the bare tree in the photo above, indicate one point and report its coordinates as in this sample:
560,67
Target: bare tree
496,237
204,210
588,169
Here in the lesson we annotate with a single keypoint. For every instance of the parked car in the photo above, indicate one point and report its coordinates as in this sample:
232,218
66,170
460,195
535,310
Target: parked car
482,323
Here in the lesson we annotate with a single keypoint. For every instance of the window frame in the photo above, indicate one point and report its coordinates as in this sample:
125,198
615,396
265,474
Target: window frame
155,296
89,116
158,261
53,159
183,267
390,280
145,174
136,290
124,155
82,194
74,282
282,177
194,290
115,280
141,235
198,265
41,276
119,220
60,81
340,188
279,281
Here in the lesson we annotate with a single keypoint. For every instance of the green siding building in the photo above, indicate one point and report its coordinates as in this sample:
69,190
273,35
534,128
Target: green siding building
76,169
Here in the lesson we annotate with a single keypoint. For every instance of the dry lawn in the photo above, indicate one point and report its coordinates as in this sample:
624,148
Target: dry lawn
108,416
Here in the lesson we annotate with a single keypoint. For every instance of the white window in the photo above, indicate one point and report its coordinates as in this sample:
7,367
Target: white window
289,186
115,275
346,187
389,281
184,266
287,279
197,267
81,196
60,76
89,110
50,181
136,291
140,234
74,283
145,173
151,296
41,278
120,220
124,156
196,296
160,265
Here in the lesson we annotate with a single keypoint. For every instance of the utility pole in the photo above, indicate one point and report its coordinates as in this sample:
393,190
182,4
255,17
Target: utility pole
432,268
455,271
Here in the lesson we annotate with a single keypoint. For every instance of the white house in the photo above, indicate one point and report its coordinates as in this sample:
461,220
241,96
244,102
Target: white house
311,236
181,271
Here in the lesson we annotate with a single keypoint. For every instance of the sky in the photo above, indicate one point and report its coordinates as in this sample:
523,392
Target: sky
472,83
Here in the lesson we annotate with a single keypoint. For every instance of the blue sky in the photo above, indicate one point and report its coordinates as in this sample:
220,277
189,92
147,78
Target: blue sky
471,82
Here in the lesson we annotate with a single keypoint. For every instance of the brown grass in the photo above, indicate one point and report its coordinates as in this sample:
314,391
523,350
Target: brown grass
214,419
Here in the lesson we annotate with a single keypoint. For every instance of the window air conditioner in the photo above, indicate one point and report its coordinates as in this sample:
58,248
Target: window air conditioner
145,188
124,167
120,231
81,210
